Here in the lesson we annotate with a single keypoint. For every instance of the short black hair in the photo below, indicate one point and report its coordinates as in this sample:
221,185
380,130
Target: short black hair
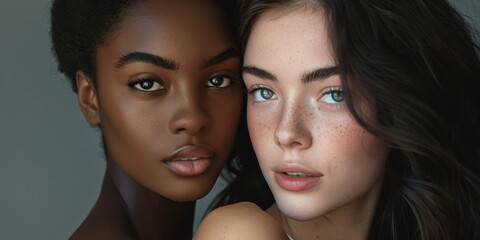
78,27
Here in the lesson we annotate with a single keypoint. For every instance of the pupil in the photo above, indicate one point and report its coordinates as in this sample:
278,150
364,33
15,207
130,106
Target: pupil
217,81
337,96
147,85
267,94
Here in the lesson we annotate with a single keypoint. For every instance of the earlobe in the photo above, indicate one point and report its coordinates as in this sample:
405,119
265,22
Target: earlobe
87,98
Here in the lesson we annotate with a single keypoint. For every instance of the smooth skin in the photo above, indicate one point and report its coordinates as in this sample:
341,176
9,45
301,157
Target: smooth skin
167,79
325,171
242,220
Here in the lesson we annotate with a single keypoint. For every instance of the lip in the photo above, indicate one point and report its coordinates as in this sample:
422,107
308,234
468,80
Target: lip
300,178
190,160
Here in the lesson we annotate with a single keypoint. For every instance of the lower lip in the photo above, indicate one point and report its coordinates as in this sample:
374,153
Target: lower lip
189,168
296,184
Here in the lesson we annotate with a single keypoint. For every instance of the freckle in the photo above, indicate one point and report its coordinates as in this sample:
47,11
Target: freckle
339,130
310,115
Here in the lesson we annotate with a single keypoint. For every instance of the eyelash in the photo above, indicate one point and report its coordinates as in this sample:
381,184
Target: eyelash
134,82
255,88
330,91
334,103
226,76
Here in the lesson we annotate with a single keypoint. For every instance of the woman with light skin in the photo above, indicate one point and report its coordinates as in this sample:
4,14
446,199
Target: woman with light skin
160,79
365,121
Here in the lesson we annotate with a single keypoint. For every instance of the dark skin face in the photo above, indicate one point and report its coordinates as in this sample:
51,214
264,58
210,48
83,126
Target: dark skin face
167,82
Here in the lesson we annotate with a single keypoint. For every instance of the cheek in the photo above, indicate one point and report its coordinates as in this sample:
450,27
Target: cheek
357,157
261,127
132,132
257,128
226,108
225,115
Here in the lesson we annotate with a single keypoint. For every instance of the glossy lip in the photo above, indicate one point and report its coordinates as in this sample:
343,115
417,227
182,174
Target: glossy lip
295,183
190,160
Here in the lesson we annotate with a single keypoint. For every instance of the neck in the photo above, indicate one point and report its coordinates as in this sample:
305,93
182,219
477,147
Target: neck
349,222
151,215
329,227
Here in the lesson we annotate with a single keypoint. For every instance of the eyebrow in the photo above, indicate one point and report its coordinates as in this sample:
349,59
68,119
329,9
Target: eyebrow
317,74
227,54
260,73
147,58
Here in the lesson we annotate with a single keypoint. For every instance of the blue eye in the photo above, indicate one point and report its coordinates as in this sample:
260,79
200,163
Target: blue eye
263,94
146,85
333,97
219,81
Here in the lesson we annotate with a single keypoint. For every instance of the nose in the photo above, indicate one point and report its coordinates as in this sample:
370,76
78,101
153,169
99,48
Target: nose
189,116
293,130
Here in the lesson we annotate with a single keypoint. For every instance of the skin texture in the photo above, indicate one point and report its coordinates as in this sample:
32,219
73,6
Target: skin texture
243,220
147,113
299,123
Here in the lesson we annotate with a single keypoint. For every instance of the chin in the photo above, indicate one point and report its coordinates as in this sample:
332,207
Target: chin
187,195
190,190
297,210
299,214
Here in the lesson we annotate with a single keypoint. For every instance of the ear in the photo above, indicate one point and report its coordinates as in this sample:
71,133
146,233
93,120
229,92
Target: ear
87,98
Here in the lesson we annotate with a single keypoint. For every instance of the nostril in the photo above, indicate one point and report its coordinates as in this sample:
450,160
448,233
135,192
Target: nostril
180,130
292,133
190,119
192,125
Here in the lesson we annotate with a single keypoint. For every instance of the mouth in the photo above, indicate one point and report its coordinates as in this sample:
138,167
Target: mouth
190,160
296,174
296,178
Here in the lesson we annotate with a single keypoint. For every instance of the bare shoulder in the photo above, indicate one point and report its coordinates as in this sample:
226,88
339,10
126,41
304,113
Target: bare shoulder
243,220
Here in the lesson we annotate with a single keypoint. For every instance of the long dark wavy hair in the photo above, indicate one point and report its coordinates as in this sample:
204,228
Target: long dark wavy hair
416,63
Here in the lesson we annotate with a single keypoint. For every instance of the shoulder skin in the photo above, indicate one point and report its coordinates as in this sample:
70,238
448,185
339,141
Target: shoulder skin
238,221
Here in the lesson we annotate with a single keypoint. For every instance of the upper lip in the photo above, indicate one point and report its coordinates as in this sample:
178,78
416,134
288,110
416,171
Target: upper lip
190,153
291,167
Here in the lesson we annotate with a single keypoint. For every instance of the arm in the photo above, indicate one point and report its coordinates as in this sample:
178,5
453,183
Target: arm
239,221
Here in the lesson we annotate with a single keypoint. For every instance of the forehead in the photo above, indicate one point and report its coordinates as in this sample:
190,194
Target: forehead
168,24
296,39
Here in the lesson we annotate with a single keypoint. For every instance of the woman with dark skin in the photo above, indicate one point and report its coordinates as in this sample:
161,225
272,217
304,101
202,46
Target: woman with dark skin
365,118
160,79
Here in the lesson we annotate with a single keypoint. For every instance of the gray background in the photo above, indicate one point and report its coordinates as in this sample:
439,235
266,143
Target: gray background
51,163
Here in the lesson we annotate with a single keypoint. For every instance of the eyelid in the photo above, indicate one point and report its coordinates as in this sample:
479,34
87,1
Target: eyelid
255,87
132,82
330,90
229,73
233,78
254,90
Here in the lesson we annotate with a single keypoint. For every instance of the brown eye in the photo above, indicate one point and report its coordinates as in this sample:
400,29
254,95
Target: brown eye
146,85
219,81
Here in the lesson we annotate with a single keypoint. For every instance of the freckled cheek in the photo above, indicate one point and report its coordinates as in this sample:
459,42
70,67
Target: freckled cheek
347,138
261,126
354,152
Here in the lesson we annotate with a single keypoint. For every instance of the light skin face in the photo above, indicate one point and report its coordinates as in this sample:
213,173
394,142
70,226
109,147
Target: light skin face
320,164
167,93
